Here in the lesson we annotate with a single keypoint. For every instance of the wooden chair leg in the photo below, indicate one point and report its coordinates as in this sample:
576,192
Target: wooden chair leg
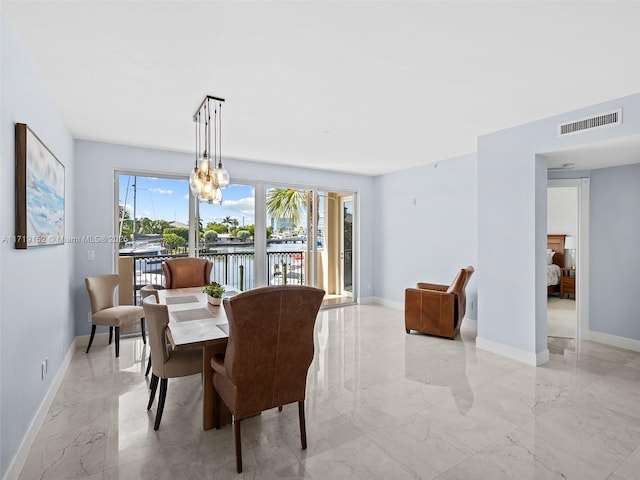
303,428
110,335
216,409
154,387
93,332
163,395
144,332
117,341
146,374
236,428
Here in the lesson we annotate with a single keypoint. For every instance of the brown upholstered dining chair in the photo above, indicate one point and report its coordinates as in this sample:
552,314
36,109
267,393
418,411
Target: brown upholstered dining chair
146,291
437,309
166,363
101,290
268,354
186,272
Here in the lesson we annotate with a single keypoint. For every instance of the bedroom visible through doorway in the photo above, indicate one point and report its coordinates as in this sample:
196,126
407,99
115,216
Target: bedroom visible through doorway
562,241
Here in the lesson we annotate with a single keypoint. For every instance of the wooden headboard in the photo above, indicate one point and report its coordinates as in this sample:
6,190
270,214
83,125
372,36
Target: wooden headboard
556,243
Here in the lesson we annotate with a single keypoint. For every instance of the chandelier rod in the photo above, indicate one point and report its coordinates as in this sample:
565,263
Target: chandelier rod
208,97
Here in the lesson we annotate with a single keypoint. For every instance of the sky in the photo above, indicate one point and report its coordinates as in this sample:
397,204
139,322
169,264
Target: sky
168,199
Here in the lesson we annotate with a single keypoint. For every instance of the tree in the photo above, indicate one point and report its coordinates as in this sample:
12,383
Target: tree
243,235
219,228
182,232
228,221
286,203
210,237
173,241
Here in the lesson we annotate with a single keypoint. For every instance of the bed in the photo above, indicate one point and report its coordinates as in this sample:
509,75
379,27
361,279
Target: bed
555,244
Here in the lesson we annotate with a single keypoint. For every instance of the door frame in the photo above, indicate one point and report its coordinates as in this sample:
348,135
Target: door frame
582,259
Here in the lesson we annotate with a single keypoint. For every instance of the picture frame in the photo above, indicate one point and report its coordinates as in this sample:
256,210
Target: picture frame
40,192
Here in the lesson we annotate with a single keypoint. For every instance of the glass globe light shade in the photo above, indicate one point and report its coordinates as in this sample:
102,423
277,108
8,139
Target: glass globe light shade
216,196
222,176
203,163
207,188
194,182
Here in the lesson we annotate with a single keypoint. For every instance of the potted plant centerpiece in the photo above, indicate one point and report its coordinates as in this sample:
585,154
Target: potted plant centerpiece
214,292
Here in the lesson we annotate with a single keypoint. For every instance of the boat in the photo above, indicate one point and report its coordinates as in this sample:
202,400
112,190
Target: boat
142,248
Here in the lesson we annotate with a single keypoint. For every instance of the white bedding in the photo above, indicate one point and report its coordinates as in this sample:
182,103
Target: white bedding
553,274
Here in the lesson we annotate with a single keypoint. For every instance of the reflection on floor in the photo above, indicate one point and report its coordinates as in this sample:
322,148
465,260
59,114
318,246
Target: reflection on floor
561,317
381,404
336,300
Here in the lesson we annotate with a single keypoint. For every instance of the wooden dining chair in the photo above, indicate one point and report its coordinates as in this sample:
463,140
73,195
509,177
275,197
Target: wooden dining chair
268,354
101,290
166,363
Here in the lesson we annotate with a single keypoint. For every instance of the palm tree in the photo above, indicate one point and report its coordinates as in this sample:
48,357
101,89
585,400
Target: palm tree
227,221
286,203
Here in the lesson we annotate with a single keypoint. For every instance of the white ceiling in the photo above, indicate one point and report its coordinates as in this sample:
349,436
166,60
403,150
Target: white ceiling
367,87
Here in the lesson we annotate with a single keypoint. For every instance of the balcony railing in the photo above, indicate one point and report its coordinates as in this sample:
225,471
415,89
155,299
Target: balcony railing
232,269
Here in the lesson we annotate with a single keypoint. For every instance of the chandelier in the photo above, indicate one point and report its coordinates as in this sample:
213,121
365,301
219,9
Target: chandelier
209,177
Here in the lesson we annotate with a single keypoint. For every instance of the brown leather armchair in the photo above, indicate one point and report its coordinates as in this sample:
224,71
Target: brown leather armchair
268,354
187,272
437,309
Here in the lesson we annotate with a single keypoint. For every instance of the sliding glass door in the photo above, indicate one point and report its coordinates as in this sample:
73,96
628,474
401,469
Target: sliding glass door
310,240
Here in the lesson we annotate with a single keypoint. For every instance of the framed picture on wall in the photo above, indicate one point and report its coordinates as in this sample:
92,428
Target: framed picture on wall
39,192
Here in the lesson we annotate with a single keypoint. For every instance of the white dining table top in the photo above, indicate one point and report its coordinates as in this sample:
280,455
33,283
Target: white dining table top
192,320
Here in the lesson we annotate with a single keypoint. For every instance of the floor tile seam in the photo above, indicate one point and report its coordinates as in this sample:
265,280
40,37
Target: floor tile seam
387,453
399,462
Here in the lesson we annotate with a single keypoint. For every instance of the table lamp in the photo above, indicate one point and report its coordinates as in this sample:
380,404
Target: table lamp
570,245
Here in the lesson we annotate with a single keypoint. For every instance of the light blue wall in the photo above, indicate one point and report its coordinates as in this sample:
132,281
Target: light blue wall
426,227
36,307
511,197
95,213
615,253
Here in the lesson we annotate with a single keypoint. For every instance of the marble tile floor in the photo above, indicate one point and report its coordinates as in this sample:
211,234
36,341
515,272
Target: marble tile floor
381,404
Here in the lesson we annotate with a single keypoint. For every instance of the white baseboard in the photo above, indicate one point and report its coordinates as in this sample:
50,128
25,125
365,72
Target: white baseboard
384,302
19,459
83,340
523,356
367,301
612,340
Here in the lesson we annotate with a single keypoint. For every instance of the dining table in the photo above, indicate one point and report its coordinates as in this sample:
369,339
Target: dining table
194,322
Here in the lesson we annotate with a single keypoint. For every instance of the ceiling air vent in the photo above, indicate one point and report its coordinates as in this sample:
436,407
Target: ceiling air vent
607,119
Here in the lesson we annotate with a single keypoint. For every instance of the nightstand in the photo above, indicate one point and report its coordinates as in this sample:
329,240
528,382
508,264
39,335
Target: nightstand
568,282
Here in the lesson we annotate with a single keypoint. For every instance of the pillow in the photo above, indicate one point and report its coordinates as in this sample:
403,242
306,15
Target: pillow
550,254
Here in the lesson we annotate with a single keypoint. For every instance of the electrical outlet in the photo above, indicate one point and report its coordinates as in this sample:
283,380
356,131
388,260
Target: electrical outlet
43,370
89,317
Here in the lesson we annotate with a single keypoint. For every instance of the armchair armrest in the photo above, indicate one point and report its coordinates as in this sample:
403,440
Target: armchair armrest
429,311
217,363
432,286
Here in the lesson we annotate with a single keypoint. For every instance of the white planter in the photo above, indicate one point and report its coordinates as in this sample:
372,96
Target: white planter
214,300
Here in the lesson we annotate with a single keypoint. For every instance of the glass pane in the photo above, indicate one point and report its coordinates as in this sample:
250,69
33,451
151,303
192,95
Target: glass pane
289,227
153,225
227,237
347,245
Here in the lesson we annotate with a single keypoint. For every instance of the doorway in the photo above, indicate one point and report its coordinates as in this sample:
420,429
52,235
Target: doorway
568,214
311,240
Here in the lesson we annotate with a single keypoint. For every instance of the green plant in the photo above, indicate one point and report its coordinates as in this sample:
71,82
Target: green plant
213,289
